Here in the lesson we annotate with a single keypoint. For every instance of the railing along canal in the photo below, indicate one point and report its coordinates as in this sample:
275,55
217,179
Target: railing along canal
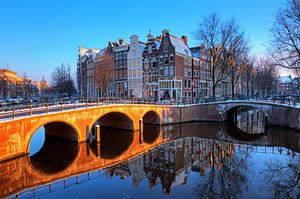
29,108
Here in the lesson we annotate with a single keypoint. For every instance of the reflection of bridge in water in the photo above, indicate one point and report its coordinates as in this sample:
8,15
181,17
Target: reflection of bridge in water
21,173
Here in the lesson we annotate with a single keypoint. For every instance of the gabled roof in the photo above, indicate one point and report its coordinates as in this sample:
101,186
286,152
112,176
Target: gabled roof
180,46
142,46
157,43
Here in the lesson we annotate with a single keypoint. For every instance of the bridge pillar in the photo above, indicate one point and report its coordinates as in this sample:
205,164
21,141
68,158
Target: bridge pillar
141,129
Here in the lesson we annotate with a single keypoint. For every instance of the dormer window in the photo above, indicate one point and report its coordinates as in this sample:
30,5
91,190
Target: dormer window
150,49
165,40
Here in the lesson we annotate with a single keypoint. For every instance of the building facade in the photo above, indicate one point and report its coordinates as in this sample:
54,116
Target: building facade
120,69
175,69
85,71
13,86
135,68
150,68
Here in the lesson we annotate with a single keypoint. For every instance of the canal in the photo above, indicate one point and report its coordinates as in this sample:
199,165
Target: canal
243,158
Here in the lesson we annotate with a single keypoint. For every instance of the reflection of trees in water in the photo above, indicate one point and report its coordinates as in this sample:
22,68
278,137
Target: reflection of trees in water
284,178
226,172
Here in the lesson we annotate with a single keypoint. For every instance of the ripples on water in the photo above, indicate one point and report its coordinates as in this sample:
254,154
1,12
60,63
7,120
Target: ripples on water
195,160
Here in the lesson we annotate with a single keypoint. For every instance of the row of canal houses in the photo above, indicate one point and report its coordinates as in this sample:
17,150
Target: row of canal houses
162,69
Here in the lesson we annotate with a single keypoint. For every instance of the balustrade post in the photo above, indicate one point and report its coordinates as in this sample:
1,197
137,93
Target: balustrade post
47,108
97,101
14,113
86,103
30,107
62,105
74,103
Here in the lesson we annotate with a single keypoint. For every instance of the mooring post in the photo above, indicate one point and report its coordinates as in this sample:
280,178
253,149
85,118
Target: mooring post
97,128
141,127
266,121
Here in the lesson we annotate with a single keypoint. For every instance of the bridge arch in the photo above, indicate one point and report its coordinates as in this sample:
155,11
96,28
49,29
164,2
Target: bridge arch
228,111
115,119
50,127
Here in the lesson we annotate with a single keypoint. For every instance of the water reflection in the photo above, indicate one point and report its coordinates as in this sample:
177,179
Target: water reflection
184,160
55,155
249,120
114,142
150,133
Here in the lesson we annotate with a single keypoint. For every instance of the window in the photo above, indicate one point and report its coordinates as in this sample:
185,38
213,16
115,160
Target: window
161,71
166,73
189,72
171,58
185,83
161,59
166,58
185,61
189,83
150,49
172,72
165,40
185,72
166,48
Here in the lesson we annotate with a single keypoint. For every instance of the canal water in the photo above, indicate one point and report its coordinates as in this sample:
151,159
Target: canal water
240,159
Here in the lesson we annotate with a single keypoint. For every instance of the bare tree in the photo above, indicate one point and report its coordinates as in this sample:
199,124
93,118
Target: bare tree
218,37
236,54
266,78
285,46
104,71
62,80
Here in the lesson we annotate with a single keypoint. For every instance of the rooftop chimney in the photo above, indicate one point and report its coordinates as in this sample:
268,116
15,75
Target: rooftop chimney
184,38
121,41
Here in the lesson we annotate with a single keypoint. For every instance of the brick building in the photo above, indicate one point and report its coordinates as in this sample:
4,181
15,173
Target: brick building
175,68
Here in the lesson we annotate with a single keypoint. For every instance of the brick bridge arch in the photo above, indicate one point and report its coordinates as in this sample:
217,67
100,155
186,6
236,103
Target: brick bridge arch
74,135
230,110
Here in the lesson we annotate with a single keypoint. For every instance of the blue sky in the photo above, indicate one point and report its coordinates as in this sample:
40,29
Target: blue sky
38,35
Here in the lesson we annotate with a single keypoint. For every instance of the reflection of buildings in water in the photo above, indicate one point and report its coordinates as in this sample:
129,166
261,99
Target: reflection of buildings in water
170,163
136,169
251,121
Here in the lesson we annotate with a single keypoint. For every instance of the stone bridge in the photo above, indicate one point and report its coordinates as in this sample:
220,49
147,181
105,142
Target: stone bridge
77,125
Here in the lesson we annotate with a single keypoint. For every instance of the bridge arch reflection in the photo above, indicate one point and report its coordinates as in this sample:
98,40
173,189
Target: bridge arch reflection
114,142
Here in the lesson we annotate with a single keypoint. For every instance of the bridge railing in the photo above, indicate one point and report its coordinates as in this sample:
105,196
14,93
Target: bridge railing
27,108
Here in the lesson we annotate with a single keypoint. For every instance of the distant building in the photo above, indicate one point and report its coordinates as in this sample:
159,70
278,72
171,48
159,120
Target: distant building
285,85
296,86
85,70
14,86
